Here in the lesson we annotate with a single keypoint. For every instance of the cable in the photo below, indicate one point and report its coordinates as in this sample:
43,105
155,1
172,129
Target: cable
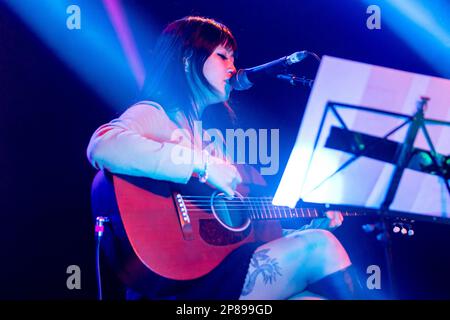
99,229
97,265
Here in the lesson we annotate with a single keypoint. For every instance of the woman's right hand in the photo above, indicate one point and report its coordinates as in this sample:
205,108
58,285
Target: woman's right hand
222,175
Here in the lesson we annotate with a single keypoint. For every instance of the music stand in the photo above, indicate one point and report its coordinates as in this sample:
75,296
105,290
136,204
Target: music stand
377,109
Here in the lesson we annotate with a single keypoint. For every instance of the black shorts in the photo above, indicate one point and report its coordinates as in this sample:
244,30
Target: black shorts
225,282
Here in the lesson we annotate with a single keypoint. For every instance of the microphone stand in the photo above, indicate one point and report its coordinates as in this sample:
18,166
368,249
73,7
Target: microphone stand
404,156
295,80
299,81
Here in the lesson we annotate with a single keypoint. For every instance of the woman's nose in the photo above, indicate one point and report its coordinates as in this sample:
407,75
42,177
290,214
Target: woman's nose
231,69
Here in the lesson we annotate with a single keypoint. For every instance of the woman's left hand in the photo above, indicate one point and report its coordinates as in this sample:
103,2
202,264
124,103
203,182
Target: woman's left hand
332,221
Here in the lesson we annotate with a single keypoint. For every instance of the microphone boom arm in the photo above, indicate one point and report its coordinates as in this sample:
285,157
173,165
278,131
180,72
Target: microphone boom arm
296,81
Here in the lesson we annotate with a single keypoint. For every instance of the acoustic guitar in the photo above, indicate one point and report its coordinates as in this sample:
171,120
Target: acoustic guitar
182,232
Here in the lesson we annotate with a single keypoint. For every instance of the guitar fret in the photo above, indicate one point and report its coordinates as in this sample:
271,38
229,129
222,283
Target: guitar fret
258,211
255,213
271,207
250,208
261,214
258,208
276,211
267,208
273,210
273,213
264,208
279,212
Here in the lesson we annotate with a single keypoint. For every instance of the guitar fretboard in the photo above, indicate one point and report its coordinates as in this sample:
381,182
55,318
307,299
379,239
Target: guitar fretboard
263,209
260,208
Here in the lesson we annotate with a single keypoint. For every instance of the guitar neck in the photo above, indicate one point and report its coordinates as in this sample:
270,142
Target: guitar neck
261,208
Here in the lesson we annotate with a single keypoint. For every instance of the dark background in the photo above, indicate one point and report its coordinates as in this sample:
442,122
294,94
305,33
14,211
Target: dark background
49,114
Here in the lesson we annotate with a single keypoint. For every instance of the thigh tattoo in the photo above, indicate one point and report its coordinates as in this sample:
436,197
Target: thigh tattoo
261,265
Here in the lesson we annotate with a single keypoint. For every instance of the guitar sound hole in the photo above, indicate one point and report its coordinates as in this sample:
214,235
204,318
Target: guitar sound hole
231,224
213,233
230,212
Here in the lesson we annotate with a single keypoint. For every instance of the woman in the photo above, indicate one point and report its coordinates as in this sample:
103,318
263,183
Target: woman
192,64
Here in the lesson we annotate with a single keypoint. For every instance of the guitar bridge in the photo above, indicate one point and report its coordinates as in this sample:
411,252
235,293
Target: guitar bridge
183,217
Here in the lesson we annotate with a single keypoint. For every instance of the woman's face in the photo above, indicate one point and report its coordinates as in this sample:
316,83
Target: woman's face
218,69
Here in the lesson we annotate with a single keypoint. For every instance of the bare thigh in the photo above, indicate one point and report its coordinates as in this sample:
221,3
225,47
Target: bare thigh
283,268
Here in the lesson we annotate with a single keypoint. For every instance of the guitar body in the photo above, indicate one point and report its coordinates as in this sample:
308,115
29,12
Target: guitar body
164,241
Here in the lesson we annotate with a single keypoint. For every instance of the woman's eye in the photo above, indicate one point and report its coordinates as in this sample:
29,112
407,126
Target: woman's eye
222,56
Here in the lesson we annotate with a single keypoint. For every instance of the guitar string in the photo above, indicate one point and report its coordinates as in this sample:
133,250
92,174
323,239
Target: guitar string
238,205
252,202
263,204
260,216
255,200
255,204
245,205
265,216
316,214
238,200
304,214
272,212
267,209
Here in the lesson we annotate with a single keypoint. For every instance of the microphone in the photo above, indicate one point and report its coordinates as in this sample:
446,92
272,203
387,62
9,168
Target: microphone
245,78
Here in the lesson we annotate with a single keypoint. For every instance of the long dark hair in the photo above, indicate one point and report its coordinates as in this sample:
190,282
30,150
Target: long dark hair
193,38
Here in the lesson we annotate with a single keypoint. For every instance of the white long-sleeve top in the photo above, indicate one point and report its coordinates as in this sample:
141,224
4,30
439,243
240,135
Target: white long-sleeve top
141,143
144,142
